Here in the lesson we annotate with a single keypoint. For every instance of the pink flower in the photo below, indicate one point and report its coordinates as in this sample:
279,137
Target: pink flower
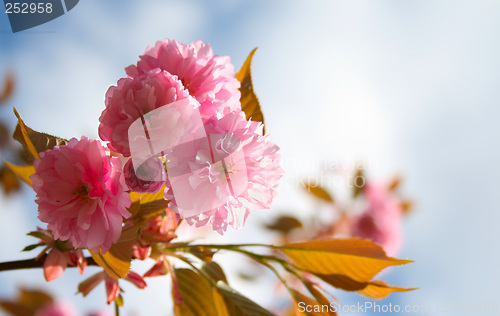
218,180
208,77
381,222
131,99
56,309
81,194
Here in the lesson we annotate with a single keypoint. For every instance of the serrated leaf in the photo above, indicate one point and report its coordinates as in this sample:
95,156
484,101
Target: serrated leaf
357,259
239,305
116,262
313,307
34,142
249,102
23,172
379,290
284,224
318,191
8,88
197,293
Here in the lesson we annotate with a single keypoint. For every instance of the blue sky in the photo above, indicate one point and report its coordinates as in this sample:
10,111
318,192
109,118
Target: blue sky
410,87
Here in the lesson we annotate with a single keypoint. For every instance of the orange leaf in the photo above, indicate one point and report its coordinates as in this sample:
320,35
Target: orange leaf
319,192
373,289
8,88
116,262
24,138
23,172
305,305
220,304
150,204
239,305
249,102
355,258
379,290
9,180
34,142
197,294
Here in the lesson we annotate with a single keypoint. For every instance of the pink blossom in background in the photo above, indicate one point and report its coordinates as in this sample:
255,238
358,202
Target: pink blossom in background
234,170
131,99
381,222
56,309
208,77
81,194
100,313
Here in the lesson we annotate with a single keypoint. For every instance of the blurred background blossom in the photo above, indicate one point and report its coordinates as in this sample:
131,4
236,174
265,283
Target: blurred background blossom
407,88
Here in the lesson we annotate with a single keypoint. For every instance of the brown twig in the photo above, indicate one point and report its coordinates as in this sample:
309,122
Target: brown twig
32,264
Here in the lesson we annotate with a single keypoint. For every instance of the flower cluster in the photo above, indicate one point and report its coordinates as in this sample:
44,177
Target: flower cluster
175,123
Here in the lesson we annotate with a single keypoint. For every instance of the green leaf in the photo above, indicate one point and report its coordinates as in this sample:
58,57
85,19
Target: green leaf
41,236
249,102
31,247
239,305
116,262
197,293
34,142
358,259
23,172
318,191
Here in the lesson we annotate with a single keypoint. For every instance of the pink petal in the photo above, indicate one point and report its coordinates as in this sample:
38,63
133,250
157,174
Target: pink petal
54,265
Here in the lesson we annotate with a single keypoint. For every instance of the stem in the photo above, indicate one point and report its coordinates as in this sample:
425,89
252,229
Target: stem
117,309
33,263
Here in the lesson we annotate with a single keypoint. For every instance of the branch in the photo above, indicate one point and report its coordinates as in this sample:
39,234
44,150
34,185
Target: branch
33,263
